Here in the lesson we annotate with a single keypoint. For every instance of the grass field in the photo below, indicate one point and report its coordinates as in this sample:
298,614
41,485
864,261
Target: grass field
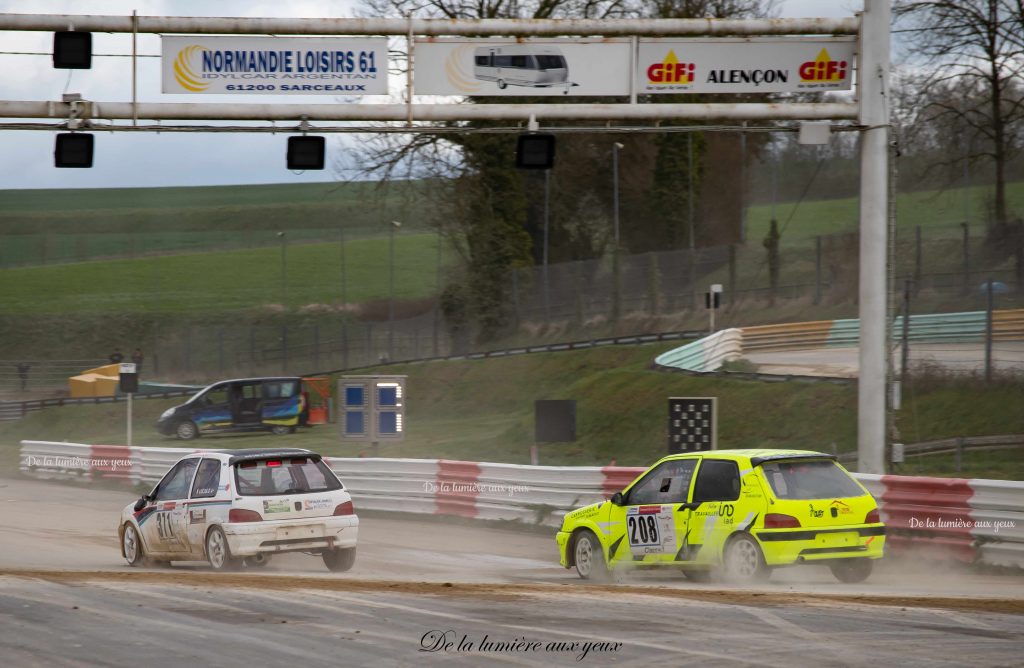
482,410
225,281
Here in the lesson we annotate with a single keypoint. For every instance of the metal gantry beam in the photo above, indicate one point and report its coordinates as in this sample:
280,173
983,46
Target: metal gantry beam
241,111
429,27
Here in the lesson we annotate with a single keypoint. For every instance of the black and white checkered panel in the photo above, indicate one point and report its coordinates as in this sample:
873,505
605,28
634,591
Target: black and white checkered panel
690,425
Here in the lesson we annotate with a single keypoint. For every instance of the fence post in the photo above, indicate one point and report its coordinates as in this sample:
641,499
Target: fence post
252,349
917,259
732,276
817,269
988,330
959,453
966,258
316,345
905,336
284,348
220,350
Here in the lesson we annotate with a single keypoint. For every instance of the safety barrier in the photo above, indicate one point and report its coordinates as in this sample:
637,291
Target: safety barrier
707,355
942,518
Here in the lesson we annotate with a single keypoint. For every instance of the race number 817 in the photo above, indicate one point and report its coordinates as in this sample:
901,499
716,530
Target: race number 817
643,530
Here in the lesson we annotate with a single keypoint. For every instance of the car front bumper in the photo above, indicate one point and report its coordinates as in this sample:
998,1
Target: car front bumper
562,538
272,537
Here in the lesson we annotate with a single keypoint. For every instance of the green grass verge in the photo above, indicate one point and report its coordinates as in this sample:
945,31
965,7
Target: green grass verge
482,410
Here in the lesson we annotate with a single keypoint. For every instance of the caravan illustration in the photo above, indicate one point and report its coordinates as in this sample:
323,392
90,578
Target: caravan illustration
533,66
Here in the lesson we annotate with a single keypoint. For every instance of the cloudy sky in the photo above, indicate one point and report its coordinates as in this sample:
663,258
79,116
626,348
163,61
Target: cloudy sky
148,159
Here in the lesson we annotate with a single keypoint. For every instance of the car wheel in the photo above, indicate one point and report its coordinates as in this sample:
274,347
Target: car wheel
217,551
281,430
588,556
742,560
501,84
259,561
339,561
186,430
852,571
131,545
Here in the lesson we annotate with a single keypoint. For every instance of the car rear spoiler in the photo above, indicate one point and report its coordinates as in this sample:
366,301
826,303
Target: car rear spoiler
757,461
274,454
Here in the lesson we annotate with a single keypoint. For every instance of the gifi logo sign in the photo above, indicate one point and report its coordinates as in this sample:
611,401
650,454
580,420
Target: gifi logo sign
823,68
671,71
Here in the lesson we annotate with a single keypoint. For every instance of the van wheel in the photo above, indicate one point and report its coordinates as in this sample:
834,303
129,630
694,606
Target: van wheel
852,571
186,430
743,562
501,84
281,430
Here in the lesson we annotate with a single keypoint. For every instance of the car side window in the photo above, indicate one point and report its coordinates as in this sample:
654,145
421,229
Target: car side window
668,483
207,480
717,480
175,483
216,396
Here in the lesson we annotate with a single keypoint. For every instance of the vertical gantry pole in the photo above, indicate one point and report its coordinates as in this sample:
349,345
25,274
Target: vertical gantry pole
873,85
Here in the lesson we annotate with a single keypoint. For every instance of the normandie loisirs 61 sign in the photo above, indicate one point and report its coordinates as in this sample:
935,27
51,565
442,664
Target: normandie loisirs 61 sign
274,65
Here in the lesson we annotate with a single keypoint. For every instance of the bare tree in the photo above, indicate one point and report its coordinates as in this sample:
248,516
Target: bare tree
975,78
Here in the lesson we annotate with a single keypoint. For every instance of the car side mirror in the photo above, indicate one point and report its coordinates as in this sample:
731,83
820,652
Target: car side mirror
617,498
141,503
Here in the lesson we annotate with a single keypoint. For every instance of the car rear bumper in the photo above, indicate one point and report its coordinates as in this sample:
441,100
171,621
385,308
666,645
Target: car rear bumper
272,537
782,547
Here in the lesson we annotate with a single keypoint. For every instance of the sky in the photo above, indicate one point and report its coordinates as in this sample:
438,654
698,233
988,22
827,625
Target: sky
176,159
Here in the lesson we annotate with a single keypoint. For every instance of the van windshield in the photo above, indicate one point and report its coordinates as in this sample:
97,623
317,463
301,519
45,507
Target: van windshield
813,479
289,475
550,62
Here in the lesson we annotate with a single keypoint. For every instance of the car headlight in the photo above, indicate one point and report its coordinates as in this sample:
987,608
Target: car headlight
167,413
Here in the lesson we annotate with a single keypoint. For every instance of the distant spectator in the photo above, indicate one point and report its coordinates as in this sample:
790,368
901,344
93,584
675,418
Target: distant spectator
116,356
23,374
137,358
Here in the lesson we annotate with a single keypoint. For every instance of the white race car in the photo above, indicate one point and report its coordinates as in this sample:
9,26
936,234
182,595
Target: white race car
234,505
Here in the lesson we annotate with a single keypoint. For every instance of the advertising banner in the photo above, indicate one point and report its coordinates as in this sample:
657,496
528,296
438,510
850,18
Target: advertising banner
274,65
766,65
555,67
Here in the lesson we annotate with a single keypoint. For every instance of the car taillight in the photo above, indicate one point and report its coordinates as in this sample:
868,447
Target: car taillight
241,515
873,517
780,521
345,509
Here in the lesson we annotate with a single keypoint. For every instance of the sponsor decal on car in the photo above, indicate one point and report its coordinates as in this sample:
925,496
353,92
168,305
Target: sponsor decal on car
276,507
316,504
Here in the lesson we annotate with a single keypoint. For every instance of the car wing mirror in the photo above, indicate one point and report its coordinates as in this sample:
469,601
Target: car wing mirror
141,503
617,498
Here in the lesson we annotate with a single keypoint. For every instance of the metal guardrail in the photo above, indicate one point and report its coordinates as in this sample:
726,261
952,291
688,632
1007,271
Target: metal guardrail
952,446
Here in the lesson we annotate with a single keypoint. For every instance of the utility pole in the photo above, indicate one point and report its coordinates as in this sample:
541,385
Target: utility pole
547,214
873,92
616,266
689,201
391,288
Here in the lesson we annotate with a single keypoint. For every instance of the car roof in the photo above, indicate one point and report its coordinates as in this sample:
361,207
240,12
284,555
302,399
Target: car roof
255,379
251,454
755,455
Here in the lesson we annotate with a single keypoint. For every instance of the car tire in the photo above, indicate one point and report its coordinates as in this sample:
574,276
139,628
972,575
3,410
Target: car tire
501,84
186,430
259,561
588,557
742,561
339,561
131,545
218,553
852,571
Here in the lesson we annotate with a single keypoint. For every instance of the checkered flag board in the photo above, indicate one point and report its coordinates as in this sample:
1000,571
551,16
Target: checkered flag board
692,424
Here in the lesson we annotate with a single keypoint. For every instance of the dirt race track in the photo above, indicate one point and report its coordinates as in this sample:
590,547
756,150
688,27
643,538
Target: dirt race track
68,599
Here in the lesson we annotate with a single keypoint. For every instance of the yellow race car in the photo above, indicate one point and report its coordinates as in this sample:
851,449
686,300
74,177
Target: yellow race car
740,512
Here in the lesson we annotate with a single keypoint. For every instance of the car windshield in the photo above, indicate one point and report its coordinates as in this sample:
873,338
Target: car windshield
290,475
810,479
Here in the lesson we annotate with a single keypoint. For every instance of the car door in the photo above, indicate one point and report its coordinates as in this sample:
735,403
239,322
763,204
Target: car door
202,502
654,516
213,408
281,402
717,511
164,528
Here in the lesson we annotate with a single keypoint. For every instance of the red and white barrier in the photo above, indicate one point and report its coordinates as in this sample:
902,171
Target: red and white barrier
943,518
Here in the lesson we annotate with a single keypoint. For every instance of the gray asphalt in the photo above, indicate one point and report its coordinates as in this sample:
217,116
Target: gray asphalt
68,599
145,624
